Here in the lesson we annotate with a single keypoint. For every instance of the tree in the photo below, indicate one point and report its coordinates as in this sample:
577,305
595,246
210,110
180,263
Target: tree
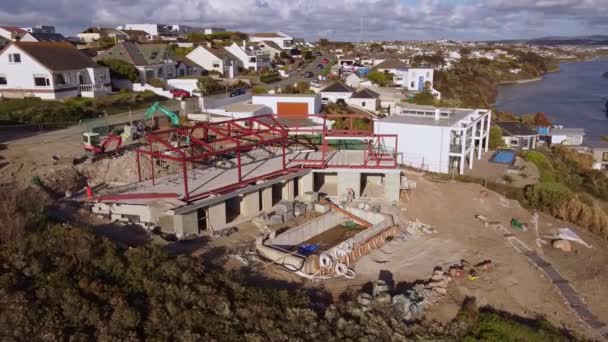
540,119
257,90
496,140
424,98
303,87
378,77
121,69
197,37
465,52
208,85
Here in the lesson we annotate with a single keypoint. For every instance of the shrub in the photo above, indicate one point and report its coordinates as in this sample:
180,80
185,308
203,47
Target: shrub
157,82
496,140
270,76
208,85
378,77
547,195
257,90
423,98
121,69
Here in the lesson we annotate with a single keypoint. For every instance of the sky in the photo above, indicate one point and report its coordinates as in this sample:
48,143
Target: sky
334,19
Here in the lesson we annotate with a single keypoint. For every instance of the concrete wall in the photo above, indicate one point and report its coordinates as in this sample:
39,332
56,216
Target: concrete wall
421,146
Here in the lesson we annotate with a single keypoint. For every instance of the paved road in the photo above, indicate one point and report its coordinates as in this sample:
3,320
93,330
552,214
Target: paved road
299,75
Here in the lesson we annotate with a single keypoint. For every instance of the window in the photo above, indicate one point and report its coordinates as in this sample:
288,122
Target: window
14,58
60,79
160,72
514,142
363,104
251,59
3,80
216,64
412,84
605,156
41,81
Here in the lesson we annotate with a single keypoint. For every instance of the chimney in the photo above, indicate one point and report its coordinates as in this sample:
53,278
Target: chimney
244,44
437,114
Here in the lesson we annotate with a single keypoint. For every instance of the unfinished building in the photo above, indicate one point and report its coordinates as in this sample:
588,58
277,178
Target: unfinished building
215,175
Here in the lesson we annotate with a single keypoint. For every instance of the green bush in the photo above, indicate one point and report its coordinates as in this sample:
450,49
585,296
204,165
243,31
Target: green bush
157,82
496,140
257,90
548,195
270,76
121,69
424,98
380,78
208,85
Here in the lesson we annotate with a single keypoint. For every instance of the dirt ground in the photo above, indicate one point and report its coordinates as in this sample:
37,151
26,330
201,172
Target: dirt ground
514,285
520,174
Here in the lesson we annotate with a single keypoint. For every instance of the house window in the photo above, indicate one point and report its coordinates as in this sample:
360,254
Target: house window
513,142
59,80
3,80
605,156
160,72
102,77
251,59
412,84
14,58
41,81
216,64
363,104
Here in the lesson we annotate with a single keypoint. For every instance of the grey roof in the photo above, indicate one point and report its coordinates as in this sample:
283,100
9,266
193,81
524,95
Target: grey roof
391,64
515,128
567,131
48,37
220,52
365,94
272,45
456,115
286,95
337,87
598,144
138,53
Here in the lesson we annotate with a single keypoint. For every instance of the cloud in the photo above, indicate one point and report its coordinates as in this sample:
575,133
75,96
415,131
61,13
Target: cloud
337,19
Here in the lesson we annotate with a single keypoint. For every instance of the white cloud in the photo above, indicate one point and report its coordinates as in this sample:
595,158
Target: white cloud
340,19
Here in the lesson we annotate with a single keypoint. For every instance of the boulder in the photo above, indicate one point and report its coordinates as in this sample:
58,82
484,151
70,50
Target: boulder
564,245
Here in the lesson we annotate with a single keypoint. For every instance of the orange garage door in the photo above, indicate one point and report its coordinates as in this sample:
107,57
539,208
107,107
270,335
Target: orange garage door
295,110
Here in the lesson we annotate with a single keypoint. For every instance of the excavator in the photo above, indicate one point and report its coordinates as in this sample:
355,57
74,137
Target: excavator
94,145
157,107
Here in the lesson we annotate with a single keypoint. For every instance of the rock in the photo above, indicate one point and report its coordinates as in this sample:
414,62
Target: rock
438,277
380,287
564,245
283,207
276,219
383,298
441,290
364,299
441,283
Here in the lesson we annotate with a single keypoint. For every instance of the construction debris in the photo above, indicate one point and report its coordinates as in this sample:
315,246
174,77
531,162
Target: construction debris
564,245
419,228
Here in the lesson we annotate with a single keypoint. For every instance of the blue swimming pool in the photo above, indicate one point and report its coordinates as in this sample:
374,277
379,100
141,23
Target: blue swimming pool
504,157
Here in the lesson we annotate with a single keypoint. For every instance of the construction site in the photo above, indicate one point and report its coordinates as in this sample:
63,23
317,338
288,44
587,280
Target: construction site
322,202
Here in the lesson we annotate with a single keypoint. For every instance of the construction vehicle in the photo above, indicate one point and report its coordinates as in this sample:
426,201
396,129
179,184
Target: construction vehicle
94,145
157,107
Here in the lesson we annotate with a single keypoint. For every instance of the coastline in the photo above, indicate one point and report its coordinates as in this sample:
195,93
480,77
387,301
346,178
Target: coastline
529,80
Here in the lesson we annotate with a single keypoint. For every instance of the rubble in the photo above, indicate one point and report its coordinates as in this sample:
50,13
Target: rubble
564,245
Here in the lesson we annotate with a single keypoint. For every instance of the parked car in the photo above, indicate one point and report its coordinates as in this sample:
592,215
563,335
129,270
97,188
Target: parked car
315,83
317,53
237,92
179,93
325,60
308,74
320,66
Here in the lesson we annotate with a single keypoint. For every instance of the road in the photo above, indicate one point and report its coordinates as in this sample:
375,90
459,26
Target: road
299,75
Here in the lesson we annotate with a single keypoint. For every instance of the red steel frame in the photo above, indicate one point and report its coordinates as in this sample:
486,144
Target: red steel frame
242,135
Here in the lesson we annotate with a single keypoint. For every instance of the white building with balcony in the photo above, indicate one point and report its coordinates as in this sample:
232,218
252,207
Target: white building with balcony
50,70
438,139
284,41
250,57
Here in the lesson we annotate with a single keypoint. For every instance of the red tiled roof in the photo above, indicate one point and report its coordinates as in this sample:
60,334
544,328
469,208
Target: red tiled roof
13,29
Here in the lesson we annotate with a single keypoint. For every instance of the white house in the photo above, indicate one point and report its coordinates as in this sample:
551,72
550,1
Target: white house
336,91
249,57
567,136
151,60
365,99
438,139
218,59
269,48
153,30
290,106
414,79
391,66
50,71
284,41
353,80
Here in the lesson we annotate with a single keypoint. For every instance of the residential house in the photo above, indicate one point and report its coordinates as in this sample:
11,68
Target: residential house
50,70
517,135
391,66
12,33
94,34
366,99
153,60
290,106
599,151
212,30
567,136
249,56
434,139
414,79
353,80
336,92
43,37
186,67
217,59
40,29
270,48
3,42
153,30
284,41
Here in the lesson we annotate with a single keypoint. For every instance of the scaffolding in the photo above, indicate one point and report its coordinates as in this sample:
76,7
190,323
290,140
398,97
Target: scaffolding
207,144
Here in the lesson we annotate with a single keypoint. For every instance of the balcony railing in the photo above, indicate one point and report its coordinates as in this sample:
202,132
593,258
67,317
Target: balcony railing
90,90
455,148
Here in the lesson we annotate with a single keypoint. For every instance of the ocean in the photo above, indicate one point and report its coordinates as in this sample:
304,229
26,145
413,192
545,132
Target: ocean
573,97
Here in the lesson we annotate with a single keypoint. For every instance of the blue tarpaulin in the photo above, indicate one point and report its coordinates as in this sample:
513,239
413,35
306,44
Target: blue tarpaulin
308,249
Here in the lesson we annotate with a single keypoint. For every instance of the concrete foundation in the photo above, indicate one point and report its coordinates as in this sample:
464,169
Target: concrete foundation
216,216
266,198
250,206
347,181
